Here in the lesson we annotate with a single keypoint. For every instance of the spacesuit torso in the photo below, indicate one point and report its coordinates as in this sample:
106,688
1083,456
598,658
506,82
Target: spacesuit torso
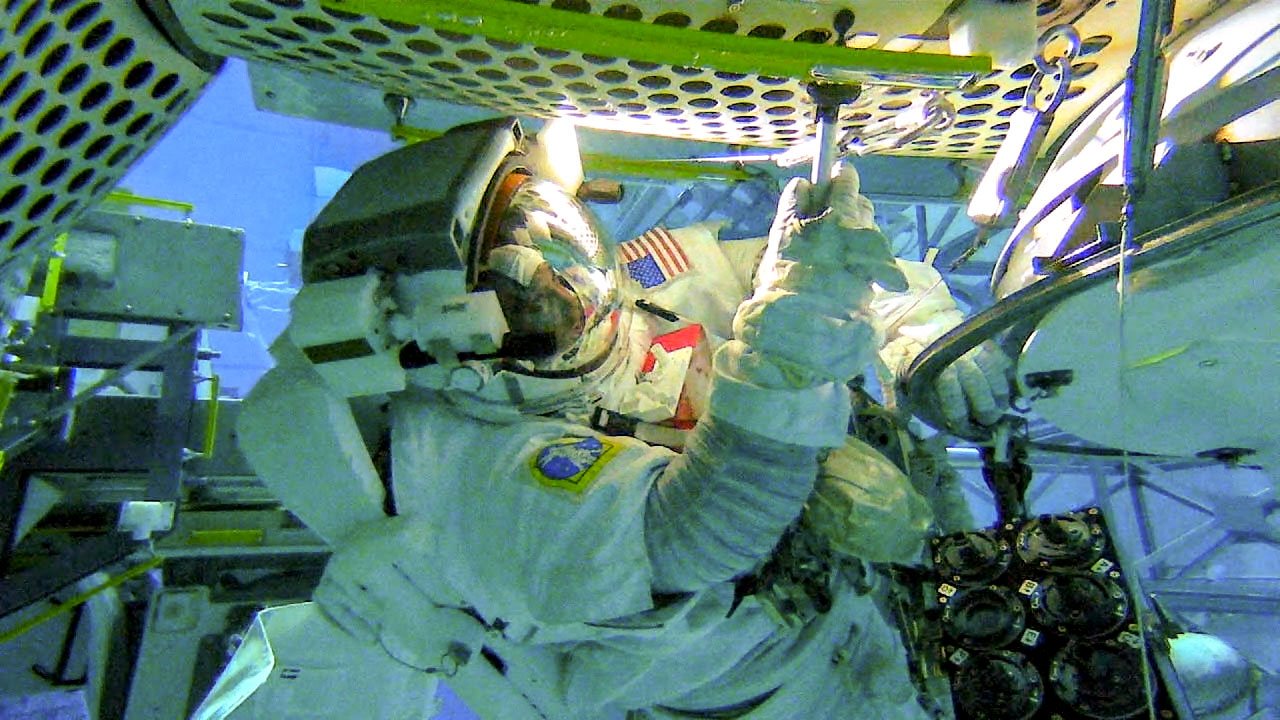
539,527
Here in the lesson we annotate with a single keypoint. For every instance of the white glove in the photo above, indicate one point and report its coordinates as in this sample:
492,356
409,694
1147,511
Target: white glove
807,319
975,388
378,588
865,507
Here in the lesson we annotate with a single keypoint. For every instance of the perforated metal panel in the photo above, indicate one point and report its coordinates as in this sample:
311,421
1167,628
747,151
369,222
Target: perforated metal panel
85,88
673,101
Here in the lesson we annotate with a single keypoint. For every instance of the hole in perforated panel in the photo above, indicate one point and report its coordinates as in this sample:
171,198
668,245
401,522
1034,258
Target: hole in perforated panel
119,52
1024,72
445,66
780,110
724,25
95,96
138,74
1048,7
97,35
6,228
782,122
54,59
974,109
119,155
599,59
730,76
777,95
51,119
29,105
566,70
536,81
82,15
552,96
453,37
980,91
964,124
685,70
643,66
153,133
81,179
373,37
28,160
290,4
165,85
492,75
342,15
423,47
39,207
742,107
1074,91
397,26
260,41
65,211
737,91
73,78
73,135
770,31
37,40
664,98
623,93
317,53
341,46
24,238
673,19
285,34
523,64
1016,94
707,114
631,107
138,124
10,142
314,24
1006,112
552,53
471,55
964,135
578,6
12,197
253,11
1084,69
611,76
624,12
227,21
28,16
655,82
117,112
97,147
1094,44
895,105
395,58
695,86
12,88
816,36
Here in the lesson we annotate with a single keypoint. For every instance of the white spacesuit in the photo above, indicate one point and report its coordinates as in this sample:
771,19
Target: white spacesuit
547,569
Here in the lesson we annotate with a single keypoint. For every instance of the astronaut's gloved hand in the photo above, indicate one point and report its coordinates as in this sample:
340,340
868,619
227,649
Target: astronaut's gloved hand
378,588
807,321
865,507
975,388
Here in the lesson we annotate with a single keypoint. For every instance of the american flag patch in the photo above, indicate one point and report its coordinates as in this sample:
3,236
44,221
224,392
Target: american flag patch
653,258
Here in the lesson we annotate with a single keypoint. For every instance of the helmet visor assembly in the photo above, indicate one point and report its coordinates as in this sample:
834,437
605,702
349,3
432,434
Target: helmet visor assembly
555,276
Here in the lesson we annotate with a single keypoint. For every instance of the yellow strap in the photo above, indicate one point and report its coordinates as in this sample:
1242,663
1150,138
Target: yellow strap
49,297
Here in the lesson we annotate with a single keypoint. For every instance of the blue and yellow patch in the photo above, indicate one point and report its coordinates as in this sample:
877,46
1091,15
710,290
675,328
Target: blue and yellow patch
572,463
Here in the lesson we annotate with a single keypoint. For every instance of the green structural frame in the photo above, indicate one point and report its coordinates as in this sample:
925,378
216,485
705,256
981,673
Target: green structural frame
548,27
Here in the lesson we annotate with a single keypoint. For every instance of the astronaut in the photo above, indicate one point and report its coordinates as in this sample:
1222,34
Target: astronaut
541,566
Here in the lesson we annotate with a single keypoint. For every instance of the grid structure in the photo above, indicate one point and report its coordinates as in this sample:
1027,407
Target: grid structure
85,88
669,100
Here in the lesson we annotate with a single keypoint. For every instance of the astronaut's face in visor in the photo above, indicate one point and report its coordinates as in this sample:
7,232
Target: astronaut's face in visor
555,278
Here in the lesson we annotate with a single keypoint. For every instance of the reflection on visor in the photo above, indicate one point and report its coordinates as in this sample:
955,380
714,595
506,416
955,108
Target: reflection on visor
555,278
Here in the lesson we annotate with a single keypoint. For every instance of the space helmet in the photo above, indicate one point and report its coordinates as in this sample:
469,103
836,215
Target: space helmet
483,212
